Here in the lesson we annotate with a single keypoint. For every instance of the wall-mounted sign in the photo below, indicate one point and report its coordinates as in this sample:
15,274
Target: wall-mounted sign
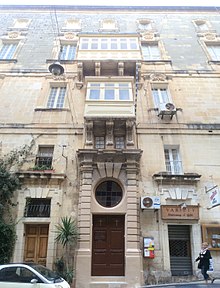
189,212
214,196
148,247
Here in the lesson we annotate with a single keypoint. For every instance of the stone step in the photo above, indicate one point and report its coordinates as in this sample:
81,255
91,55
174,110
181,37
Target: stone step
108,282
108,285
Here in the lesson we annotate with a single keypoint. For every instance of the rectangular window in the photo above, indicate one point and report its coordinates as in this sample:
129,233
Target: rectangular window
44,158
119,142
21,23
56,97
73,24
113,44
109,91
99,142
8,50
202,25
151,52
104,44
37,207
109,44
108,24
145,26
214,51
68,52
161,96
94,91
84,44
172,161
94,44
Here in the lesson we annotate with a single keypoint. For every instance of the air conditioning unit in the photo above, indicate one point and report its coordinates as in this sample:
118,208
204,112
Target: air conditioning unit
150,202
167,108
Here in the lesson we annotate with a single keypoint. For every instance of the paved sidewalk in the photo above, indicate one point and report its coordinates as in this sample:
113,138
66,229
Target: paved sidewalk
200,283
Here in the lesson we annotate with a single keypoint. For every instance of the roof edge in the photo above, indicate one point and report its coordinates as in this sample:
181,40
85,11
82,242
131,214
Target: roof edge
108,8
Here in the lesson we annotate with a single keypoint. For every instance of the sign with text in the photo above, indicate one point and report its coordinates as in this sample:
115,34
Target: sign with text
214,196
174,212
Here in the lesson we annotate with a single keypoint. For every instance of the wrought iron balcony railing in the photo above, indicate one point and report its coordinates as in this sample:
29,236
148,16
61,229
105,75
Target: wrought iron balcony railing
37,210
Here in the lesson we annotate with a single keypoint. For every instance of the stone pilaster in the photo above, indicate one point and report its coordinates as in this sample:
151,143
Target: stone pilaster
84,221
133,253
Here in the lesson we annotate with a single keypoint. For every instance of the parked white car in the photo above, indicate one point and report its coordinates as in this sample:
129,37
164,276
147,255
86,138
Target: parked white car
29,276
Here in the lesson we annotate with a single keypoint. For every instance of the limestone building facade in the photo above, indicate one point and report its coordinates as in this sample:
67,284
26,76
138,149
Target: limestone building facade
126,140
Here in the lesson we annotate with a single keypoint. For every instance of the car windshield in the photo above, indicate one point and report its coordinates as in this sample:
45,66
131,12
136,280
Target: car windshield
47,273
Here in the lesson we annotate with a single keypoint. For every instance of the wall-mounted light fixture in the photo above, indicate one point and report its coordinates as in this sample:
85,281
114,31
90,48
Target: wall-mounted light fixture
56,69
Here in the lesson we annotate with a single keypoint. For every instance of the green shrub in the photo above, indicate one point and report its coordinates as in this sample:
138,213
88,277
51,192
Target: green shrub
7,241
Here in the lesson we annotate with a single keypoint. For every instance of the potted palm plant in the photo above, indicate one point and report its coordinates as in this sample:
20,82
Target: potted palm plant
67,236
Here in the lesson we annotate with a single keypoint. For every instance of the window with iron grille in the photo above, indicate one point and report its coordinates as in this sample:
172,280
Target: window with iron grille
8,50
37,207
56,97
44,157
172,161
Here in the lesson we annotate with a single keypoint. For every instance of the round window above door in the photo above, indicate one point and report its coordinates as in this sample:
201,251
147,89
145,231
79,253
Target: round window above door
108,194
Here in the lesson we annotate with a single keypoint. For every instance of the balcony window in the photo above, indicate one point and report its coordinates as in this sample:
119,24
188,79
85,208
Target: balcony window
172,161
109,91
109,44
99,142
44,158
37,207
119,142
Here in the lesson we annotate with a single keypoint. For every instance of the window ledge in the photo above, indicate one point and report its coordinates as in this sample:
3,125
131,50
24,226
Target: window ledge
51,109
40,174
217,62
8,60
72,61
160,61
165,176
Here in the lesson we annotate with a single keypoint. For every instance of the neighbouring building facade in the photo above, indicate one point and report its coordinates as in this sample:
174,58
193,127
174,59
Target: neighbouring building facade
126,140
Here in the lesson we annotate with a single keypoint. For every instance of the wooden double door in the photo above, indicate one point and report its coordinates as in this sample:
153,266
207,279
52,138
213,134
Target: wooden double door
108,245
36,240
